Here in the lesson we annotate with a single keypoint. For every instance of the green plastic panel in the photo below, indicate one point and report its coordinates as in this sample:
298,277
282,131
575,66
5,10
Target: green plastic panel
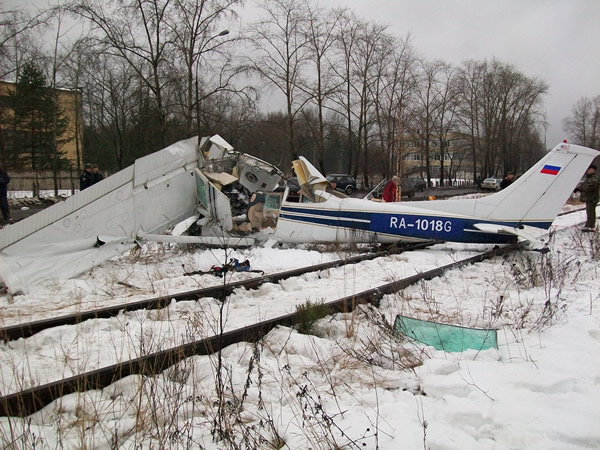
449,338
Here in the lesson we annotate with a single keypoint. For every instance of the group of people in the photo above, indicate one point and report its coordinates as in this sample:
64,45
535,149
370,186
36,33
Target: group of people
91,175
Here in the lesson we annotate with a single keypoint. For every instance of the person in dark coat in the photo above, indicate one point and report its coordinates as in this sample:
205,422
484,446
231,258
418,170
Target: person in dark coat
4,180
590,193
507,180
86,179
97,175
391,191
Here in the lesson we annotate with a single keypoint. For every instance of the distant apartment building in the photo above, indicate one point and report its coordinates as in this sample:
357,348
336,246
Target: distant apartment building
456,159
70,142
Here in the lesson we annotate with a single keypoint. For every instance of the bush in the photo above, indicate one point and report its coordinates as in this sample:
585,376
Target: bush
308,314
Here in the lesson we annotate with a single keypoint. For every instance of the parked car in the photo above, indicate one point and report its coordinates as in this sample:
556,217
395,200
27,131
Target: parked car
343,182
412,185
491,184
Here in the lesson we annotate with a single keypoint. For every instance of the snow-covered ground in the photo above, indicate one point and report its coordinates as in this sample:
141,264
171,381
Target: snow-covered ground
42,194
352,382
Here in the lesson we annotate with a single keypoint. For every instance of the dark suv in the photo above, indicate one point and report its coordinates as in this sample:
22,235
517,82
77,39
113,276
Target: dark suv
344,183
412,185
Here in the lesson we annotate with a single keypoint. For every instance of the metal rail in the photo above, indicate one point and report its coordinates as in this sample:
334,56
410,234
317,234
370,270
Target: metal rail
25,330
27,402
221,291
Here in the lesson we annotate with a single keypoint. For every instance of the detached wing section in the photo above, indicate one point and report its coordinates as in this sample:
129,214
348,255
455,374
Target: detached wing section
102,221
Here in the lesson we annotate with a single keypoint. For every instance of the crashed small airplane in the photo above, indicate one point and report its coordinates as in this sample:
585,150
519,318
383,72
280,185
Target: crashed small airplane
209,194
519,212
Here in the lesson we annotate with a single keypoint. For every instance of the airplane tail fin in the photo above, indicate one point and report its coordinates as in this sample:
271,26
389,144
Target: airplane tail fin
536,198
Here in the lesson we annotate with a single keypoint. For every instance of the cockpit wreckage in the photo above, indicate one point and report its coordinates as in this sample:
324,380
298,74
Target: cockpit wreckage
209,194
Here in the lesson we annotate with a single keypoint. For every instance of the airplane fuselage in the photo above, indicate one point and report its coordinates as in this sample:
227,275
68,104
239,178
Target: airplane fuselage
353,220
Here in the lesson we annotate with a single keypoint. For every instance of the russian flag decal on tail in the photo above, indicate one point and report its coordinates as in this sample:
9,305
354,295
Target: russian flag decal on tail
550,170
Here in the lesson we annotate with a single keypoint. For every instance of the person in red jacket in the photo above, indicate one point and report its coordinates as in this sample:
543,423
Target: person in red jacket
391,192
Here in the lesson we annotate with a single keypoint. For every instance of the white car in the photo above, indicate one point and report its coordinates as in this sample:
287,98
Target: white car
492,184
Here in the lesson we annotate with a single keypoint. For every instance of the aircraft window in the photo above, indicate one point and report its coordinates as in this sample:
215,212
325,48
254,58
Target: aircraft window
306,194
337,194
273,201
293,196
201,189
317,199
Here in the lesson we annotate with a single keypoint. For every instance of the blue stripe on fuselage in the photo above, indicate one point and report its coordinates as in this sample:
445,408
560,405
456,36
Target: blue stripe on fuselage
409,225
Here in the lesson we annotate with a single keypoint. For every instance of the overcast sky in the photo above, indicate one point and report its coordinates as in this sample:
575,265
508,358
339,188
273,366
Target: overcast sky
556,40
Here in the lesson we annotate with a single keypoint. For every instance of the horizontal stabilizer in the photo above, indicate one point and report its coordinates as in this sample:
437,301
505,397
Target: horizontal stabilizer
521,233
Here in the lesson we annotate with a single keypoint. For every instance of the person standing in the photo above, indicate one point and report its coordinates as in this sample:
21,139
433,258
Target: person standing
507,180
4,180
97,175
589,189
391,191
86,179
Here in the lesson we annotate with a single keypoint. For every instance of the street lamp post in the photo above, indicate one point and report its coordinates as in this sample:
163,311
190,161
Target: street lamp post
222,33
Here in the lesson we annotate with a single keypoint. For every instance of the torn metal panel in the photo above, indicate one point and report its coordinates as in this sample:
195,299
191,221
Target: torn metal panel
257,175
215,147
215,204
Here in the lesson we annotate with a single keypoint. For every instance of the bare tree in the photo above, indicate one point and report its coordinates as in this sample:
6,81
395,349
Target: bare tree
74,73
112,97
136,31
499,106
583,124
17,42
469,80
58,60
425,109
519,99
321,35
395,81
372,44
281,45
444,122
361,46
346,43
17,48
197,30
